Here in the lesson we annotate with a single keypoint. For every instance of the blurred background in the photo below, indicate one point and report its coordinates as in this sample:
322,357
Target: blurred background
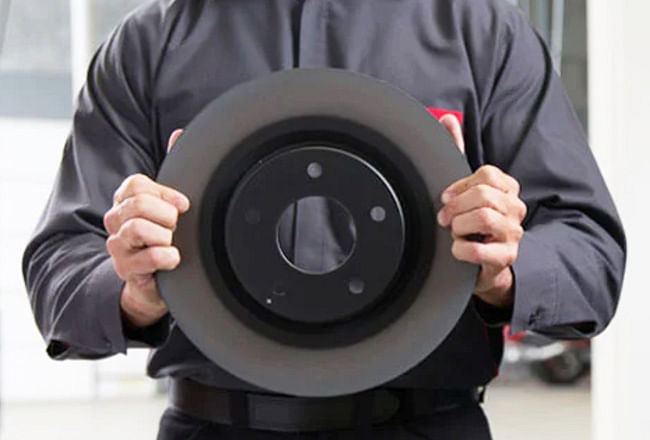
545,390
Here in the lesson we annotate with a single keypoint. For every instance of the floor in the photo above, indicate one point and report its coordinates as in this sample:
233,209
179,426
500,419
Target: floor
530,410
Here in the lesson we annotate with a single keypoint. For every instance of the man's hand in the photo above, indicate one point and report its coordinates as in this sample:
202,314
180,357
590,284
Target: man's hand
485,213
141,224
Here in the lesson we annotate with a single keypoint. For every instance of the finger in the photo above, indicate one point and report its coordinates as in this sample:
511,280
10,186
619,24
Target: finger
141,184
488,175
144,206
482,196
173,138
451,123
491,254
132,266
138,233
486,222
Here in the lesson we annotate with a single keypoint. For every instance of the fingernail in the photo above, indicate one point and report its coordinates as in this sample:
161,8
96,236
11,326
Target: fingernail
182,203
173,138
174,254
446,197
442,218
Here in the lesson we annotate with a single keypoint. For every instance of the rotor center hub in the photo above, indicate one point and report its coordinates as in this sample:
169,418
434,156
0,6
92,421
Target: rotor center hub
315,234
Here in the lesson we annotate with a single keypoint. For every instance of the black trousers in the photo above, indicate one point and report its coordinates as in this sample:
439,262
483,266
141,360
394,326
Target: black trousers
467,422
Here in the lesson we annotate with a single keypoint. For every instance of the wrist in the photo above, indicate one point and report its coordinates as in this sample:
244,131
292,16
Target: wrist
499,292
138,310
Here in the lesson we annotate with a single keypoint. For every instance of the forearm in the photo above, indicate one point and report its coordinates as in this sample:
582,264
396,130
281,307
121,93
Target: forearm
75,293
568,277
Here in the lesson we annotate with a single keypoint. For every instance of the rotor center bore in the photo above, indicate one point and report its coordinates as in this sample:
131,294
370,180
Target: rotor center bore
316,235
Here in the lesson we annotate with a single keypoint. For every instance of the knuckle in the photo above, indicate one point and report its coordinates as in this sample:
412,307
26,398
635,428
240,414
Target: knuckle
516,186
519,232
165,237
173,218
485,194
111,244
133,229
455,226
456,249
155,257
116,195
139,228
128,183
136,205
139,207
451,205
523,210
162,258
467,251
139,179
136,183
483,191
120,268
490,173
109,220
482,171
512,230
511,257
168,215
475,252
485,218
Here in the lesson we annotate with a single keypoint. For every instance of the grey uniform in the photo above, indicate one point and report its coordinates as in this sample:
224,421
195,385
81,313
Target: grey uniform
478,59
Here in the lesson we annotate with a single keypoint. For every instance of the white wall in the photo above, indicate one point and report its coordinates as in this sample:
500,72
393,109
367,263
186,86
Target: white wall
619,69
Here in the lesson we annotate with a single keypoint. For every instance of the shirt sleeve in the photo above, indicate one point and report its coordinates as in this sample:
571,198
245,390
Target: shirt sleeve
569,270
72,285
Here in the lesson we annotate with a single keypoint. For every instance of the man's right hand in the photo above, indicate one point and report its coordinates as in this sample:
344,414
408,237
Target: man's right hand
140,226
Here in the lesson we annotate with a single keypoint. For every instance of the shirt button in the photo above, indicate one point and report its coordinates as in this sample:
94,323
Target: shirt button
534,317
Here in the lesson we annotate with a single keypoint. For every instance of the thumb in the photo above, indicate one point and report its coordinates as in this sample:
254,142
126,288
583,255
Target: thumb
451,123
173,138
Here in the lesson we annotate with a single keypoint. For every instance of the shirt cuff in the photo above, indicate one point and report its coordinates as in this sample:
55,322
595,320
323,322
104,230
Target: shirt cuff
106,286
492,316
119,333
151,336
535,286
94,329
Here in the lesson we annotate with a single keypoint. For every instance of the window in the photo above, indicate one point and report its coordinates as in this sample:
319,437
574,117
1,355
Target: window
36,55
35,60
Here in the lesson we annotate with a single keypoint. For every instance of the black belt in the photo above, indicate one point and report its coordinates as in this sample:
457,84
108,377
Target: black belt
293,414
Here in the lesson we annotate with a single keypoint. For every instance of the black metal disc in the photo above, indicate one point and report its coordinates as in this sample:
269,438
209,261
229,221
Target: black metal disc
302,238
330,354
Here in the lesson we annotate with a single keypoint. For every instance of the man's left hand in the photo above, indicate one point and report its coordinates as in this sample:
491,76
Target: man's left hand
485,213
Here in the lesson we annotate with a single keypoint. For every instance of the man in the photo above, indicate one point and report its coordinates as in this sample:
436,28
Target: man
553,255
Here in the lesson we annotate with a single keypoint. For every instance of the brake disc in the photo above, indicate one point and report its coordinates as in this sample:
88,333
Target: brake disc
312,264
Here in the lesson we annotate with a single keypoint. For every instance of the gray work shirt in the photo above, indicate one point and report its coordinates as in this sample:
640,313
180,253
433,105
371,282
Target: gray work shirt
478,59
